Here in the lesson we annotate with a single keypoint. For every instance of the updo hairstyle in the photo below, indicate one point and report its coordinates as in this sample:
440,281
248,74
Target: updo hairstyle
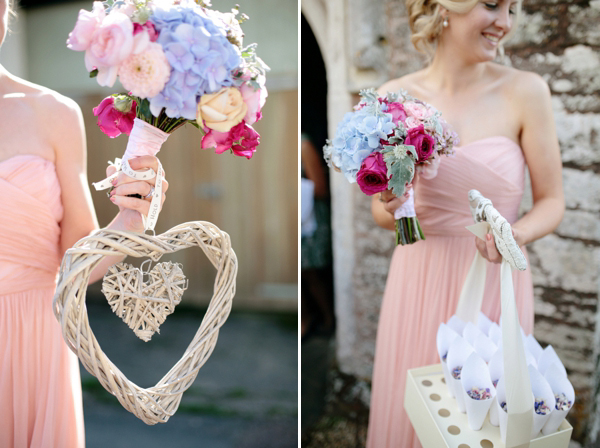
425,20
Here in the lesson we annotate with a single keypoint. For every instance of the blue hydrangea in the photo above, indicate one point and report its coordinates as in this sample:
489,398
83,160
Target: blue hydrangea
202,59
357,136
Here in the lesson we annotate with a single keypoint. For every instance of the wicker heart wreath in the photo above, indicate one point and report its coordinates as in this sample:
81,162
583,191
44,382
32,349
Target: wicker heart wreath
155,404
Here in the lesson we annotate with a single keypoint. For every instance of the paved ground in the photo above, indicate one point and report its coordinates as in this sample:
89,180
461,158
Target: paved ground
245,396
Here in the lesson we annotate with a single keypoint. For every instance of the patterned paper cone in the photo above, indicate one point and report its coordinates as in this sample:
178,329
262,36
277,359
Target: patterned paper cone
471,333
549,357
559,385
485,348
476,380
495,334
484,323
534,347
456,324
458,353
543,394
445,336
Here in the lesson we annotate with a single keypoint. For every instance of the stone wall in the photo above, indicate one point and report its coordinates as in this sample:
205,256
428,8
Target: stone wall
560,41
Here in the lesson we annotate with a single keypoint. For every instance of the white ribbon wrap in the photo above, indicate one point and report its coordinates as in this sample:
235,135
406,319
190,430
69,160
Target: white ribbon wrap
407,210
144,140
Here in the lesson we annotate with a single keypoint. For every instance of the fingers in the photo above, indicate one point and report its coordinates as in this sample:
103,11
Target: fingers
393,205
126,202
138,187
488,249
139,164
110,170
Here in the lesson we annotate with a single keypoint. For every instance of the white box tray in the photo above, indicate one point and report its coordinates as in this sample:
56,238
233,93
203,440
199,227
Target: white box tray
438,422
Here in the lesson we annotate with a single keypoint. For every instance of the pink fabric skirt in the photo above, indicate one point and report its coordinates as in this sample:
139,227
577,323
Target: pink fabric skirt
40,387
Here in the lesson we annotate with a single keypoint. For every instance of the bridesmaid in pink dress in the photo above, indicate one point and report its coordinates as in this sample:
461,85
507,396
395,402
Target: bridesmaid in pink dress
45,208
504,119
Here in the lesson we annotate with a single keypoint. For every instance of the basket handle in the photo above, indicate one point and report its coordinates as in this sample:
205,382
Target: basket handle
516,375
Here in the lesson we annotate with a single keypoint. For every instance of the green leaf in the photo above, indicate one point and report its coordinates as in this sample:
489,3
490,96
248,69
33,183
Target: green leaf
94,73
400,167
144,109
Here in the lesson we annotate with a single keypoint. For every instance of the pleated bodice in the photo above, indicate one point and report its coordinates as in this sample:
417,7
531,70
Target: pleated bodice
30,212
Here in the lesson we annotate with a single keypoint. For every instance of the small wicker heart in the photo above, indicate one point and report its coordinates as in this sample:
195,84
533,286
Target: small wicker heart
144,306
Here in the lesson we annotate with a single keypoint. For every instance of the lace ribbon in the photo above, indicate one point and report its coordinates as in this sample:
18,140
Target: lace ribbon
407,210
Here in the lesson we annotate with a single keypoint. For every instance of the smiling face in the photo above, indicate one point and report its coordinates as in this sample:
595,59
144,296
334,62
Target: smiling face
478,32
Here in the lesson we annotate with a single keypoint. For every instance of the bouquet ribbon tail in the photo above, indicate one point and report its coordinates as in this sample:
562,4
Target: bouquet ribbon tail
123,165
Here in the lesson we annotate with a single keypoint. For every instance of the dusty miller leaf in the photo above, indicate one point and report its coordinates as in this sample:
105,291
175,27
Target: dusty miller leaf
400,164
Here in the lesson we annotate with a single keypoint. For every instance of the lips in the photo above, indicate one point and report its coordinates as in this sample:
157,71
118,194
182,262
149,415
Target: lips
492,38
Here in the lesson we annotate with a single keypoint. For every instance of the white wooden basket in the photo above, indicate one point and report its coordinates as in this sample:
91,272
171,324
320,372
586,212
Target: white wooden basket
438,422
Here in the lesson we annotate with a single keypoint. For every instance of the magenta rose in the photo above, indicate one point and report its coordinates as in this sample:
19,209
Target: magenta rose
222,141
242,139
247,145
424,144
372,177
397,111
148,27
113,121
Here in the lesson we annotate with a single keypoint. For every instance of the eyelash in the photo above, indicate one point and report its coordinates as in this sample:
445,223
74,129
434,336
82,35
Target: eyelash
493,6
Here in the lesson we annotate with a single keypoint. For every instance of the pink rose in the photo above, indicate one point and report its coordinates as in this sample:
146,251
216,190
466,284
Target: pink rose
417,110
412,122
80,38
397,111
424,144
113,121
111,44
222,141
372,176
255,100
247,145
242,139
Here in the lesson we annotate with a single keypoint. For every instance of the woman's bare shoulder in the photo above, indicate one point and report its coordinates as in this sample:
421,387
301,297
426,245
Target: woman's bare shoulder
526,85
408,82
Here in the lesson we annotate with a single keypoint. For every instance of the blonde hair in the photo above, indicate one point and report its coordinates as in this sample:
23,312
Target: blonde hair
425,20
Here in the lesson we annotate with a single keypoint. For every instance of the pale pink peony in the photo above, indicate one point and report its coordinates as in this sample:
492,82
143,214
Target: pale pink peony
255,100
412,122
88,21
111,44
145,74
417,110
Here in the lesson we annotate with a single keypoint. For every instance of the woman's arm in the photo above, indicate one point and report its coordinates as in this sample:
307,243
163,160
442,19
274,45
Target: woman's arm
542,154
67,137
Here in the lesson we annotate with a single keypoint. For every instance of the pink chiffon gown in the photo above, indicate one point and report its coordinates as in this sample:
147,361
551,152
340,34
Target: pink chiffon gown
40,389
425,279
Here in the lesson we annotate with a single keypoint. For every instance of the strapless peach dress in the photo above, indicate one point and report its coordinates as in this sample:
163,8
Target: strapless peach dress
40,388
425,279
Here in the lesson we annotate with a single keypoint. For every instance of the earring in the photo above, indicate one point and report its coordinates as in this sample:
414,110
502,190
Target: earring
445,22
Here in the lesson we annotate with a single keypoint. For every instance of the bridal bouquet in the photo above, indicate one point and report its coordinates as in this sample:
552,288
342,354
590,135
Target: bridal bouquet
180,62
383,142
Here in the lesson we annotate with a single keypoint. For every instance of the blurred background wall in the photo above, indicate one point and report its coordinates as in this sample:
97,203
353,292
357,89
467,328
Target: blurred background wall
255,200
365,43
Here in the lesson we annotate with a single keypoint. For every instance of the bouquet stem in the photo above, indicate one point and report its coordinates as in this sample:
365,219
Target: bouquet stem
408,231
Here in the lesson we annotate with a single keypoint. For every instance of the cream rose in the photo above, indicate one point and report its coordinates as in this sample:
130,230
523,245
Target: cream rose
222,110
